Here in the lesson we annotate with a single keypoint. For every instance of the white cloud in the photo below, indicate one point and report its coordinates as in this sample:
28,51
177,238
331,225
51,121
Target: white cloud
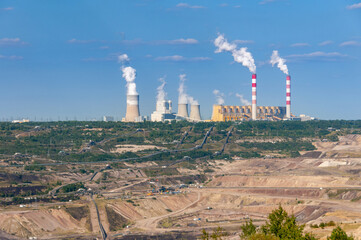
223,5
200,59
13,57
266,1
324,43
178,58
74,40
237,6
7,9
186,5
104,59
110,57
179,41
174,58
11,41
123,58
243,41
317,56
137,41
354,6
350,43
300,45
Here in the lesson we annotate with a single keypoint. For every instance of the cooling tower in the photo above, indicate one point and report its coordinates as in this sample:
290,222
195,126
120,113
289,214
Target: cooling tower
132,108
195,113
288,96
183,110
254,97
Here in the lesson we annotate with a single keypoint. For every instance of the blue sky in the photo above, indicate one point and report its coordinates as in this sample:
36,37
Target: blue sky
58,59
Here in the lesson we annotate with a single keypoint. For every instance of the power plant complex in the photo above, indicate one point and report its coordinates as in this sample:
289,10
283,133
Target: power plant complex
254,112
250,110
164,110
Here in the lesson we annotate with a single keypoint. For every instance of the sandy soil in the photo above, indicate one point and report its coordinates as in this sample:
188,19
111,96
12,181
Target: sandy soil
134,148
39,222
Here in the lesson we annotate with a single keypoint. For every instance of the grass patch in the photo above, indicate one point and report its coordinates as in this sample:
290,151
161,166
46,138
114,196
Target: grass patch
117,221
78,212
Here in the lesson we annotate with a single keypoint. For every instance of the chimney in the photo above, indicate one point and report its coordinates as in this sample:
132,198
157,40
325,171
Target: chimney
183,110
195,113
170,106
254,96
132,108
288,96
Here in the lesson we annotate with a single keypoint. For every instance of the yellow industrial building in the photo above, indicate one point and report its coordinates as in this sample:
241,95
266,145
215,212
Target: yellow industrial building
241,113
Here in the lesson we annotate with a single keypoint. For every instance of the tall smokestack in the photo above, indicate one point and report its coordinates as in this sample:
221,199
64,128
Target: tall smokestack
183,110
195,113
288,96
132,108
254,96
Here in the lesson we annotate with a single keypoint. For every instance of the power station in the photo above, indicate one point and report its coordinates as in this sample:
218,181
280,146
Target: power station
244,113
164,110
221,112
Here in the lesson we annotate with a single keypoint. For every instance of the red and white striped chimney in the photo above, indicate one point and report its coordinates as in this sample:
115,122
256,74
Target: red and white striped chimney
288,96
254,96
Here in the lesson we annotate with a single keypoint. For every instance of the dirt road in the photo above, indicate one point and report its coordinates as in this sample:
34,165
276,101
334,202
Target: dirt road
151,224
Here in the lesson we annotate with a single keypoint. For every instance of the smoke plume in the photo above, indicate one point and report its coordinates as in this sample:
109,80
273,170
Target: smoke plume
240,55
243,101
183,97
219,96
161,94
129,75
281,63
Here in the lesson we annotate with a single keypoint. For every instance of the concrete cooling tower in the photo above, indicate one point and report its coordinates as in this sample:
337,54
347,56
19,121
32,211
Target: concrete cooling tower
195,113
132,108
183,110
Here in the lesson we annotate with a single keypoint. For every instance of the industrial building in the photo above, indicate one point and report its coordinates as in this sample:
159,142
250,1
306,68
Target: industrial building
254,112
242,113
163,112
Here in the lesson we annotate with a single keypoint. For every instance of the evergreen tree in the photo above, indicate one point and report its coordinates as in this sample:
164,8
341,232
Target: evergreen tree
339,234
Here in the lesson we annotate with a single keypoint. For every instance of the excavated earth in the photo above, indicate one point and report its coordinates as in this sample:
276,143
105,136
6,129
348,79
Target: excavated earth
320,186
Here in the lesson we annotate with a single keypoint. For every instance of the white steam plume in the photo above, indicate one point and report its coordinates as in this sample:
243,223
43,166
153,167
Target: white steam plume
182,97
161,92
241,55
281,63
223,44
244,101
129,75
219,96
192,101
123,58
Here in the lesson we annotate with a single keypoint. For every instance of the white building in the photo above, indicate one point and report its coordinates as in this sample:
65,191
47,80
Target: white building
163,112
